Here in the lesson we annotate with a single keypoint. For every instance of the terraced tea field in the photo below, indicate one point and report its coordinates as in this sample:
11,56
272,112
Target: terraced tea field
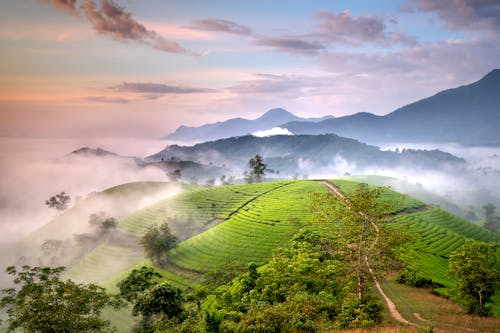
192,211
439,233
252,232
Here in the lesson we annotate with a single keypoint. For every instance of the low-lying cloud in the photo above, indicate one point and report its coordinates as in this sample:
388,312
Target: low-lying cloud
271,132
29,177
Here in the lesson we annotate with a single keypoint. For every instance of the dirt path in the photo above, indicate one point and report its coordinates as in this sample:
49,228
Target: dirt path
390,304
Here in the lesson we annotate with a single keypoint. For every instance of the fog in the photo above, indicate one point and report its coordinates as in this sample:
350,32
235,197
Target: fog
32,170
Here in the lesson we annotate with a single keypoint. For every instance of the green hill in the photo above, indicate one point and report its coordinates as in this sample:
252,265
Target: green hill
244,224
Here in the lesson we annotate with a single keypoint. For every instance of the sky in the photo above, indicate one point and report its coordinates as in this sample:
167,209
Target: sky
136,70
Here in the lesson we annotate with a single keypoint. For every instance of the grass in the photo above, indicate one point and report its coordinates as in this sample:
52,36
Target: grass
104,263
245,223
191,212
252,232
399,201
445,315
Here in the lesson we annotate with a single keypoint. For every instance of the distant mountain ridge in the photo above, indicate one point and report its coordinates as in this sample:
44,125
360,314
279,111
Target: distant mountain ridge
468,115
237,126
305,154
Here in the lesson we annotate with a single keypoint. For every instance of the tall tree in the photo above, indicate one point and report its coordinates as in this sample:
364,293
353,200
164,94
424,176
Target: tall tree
474,265
42,302
358,221
257,167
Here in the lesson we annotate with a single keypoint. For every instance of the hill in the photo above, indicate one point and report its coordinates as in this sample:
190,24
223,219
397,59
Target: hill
236,126
306,154
467,115
231,226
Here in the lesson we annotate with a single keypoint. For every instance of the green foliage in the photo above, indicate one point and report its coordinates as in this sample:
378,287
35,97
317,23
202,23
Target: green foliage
157,241
475,267
257,168
413,278
301,286
137,281
42,302
363,313
159,299
359,222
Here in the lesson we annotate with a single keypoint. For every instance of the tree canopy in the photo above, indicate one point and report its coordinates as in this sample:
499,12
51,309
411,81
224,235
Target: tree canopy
42,302
474,265
157,241
257,167
59,201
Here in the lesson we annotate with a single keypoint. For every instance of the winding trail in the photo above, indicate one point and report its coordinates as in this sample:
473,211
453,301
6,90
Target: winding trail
390,304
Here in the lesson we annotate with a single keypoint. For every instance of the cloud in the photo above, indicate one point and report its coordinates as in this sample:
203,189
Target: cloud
465,14
107,99
272,131
294,45
270,84
445,59
67,6
343,28
214,24
158,88
113,21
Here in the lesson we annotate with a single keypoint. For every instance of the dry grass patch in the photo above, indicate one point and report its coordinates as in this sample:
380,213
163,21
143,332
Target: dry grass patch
420,305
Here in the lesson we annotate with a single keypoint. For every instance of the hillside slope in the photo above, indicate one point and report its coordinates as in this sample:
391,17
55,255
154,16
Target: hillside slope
467,115
306,154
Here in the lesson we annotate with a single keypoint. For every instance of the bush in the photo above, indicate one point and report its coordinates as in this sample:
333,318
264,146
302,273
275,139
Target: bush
413,278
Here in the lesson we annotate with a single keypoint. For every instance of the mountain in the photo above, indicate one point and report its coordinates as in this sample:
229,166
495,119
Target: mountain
188,168
237,126
311,154
469,115
93,152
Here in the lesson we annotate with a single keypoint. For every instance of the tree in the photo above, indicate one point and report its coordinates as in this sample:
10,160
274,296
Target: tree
210,182
491,222
159,299
59,201
175,175
157,241
358,221
489,210
103,223
51,248
136,282
474,265
257,167
42,302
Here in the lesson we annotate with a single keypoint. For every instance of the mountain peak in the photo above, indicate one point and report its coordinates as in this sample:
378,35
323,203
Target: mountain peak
494,75
276,114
